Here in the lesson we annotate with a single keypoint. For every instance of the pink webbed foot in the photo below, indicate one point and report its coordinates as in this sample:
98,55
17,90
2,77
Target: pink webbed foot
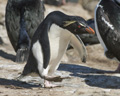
48,84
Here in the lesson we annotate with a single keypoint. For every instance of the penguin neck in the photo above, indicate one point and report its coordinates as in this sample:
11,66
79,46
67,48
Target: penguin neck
56,19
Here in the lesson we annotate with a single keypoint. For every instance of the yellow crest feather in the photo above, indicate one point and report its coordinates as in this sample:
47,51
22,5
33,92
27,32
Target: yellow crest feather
67,23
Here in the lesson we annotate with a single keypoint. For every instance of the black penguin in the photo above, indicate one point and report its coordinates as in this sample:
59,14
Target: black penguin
50,42
22,19
107,21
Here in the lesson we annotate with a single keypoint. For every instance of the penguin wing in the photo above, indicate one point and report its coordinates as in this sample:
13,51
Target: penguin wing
107,27
77,43
46,51
12,19
41,34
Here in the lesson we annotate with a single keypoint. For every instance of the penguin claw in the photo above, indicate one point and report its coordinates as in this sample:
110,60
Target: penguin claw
19,78
22,55
48,84
57,78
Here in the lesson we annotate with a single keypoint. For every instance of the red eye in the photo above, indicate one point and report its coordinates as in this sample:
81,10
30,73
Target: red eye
79,26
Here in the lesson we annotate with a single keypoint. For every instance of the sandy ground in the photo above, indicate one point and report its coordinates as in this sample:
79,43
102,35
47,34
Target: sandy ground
93,78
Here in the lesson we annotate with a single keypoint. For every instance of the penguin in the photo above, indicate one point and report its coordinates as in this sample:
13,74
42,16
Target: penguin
22,18
50,42
107,24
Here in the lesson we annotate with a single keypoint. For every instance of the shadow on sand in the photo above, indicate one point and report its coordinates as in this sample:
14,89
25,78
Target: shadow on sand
93,77
16,84
7,56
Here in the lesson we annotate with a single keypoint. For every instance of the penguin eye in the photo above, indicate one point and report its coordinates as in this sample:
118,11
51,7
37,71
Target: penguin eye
79,26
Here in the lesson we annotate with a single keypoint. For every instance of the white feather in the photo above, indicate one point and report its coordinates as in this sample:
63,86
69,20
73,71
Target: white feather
97,31
37,53
59,39
108,23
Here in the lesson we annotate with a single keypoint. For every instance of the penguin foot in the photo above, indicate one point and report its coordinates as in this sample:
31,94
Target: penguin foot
118,69
22,55
48,84
19,78
55,79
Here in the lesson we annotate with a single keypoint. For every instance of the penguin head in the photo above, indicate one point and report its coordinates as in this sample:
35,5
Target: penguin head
77,25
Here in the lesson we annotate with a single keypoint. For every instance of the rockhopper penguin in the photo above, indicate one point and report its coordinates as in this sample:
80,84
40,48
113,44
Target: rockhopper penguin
50,42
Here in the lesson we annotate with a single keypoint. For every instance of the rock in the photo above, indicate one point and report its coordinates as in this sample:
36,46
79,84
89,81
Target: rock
89,5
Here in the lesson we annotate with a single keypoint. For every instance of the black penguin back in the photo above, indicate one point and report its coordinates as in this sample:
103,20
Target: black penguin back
108,23
33,15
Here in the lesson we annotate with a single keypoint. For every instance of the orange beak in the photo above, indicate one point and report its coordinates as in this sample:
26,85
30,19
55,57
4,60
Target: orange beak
90,30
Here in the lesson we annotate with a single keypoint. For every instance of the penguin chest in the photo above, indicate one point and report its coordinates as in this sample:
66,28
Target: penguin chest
59,39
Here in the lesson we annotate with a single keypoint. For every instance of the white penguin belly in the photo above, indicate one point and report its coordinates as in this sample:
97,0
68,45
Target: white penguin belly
59,39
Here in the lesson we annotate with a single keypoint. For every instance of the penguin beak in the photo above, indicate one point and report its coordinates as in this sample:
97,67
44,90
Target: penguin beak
90,30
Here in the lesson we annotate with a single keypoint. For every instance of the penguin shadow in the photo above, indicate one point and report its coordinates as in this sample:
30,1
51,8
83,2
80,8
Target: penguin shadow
14,84
92,77
7,55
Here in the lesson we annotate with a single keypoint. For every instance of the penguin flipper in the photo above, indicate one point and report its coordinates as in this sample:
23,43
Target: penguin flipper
77,43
